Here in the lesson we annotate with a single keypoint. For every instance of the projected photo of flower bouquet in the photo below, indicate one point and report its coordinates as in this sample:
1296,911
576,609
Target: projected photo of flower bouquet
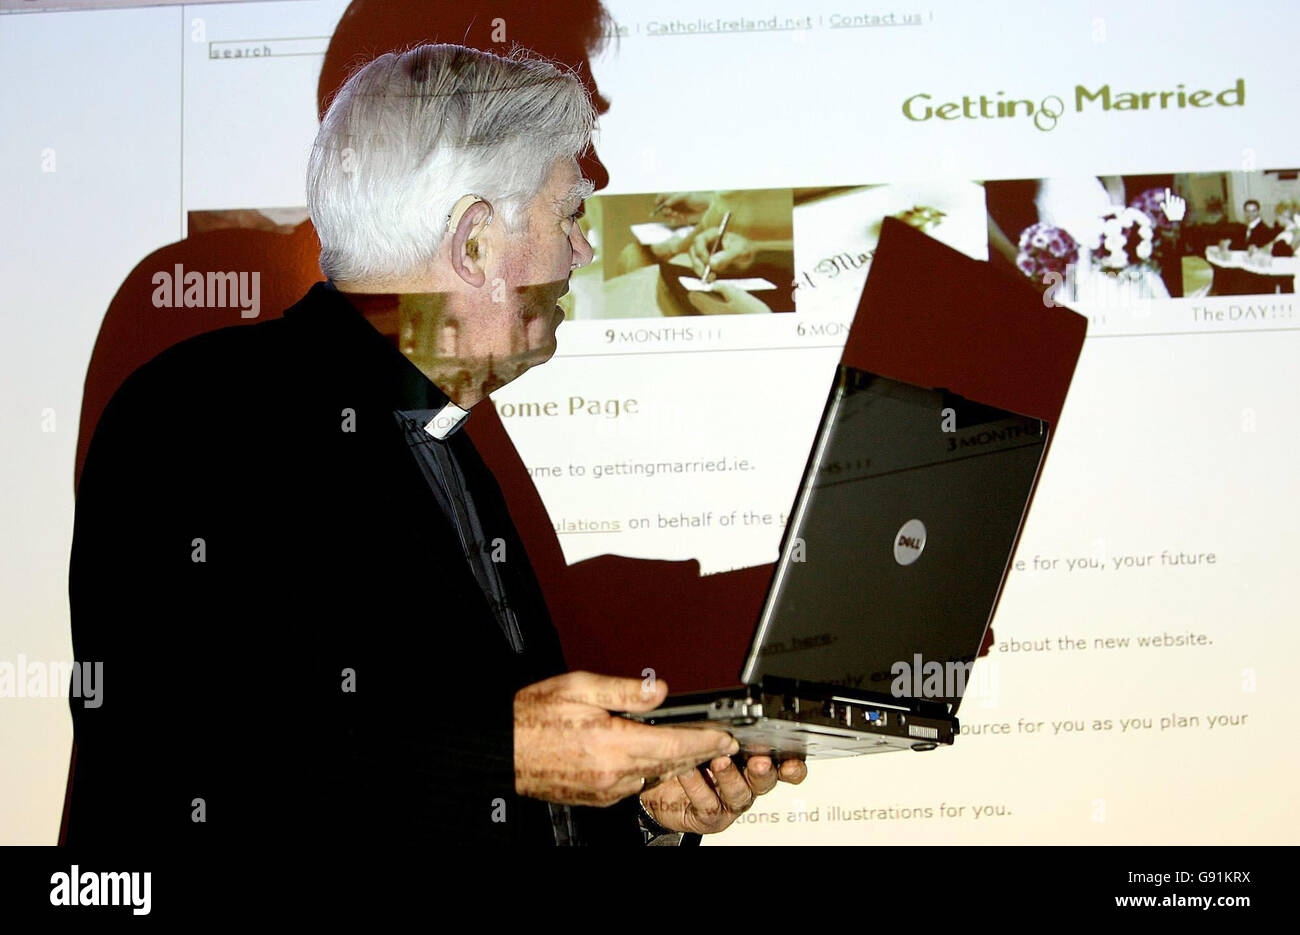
1045,248
1125,245
1109,240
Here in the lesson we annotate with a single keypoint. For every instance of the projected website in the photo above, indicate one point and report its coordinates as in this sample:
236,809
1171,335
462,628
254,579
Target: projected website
1134,690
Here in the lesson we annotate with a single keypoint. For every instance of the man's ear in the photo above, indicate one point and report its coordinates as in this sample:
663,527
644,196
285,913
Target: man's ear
466,251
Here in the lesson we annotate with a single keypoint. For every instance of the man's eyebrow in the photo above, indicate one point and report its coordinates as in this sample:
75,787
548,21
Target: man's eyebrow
577,193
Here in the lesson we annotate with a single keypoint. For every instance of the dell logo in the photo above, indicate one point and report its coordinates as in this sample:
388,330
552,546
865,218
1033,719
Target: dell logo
909,542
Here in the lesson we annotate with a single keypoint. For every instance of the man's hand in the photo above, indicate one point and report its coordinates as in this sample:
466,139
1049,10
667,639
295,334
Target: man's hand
682,207
570,749
734,253
705,802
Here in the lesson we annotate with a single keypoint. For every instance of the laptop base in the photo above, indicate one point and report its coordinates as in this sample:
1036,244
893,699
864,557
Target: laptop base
802,721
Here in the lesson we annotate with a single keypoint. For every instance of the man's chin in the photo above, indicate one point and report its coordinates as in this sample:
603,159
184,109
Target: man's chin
545,348
545,353
536,356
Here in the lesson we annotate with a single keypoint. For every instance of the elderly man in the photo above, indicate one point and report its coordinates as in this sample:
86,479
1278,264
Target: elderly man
359,650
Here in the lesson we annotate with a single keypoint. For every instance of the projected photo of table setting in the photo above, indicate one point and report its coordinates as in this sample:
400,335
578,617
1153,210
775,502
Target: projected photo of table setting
1250,271
1241,233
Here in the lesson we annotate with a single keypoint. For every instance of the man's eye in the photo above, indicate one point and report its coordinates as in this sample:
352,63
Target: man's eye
581,212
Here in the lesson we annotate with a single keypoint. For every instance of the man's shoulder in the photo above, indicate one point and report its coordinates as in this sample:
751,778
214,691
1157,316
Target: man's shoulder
209,388
229,360
266,357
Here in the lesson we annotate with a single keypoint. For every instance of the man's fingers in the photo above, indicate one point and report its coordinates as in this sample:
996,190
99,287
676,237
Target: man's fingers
794,771
733,788
692,744
761,774
664,751
704,801
604,691
681,763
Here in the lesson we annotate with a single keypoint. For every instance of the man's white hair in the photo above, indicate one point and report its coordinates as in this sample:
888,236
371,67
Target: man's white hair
411,132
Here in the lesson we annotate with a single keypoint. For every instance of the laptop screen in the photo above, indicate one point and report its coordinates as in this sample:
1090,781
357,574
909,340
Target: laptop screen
898,541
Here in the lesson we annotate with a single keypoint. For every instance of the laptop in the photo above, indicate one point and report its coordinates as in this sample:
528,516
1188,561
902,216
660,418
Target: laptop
897,547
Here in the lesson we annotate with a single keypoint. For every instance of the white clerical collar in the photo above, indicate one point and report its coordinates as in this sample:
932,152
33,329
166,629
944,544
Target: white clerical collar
447,420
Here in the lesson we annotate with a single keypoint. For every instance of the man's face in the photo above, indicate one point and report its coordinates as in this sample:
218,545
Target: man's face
478,339
545,247
532,267
1252,211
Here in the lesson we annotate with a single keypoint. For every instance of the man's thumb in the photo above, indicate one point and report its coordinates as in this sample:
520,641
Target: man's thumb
620,694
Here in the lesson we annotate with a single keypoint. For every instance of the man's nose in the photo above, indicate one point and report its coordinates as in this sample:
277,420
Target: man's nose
582,252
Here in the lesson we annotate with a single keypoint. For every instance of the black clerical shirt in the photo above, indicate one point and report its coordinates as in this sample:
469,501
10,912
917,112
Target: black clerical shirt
425,431
301,651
